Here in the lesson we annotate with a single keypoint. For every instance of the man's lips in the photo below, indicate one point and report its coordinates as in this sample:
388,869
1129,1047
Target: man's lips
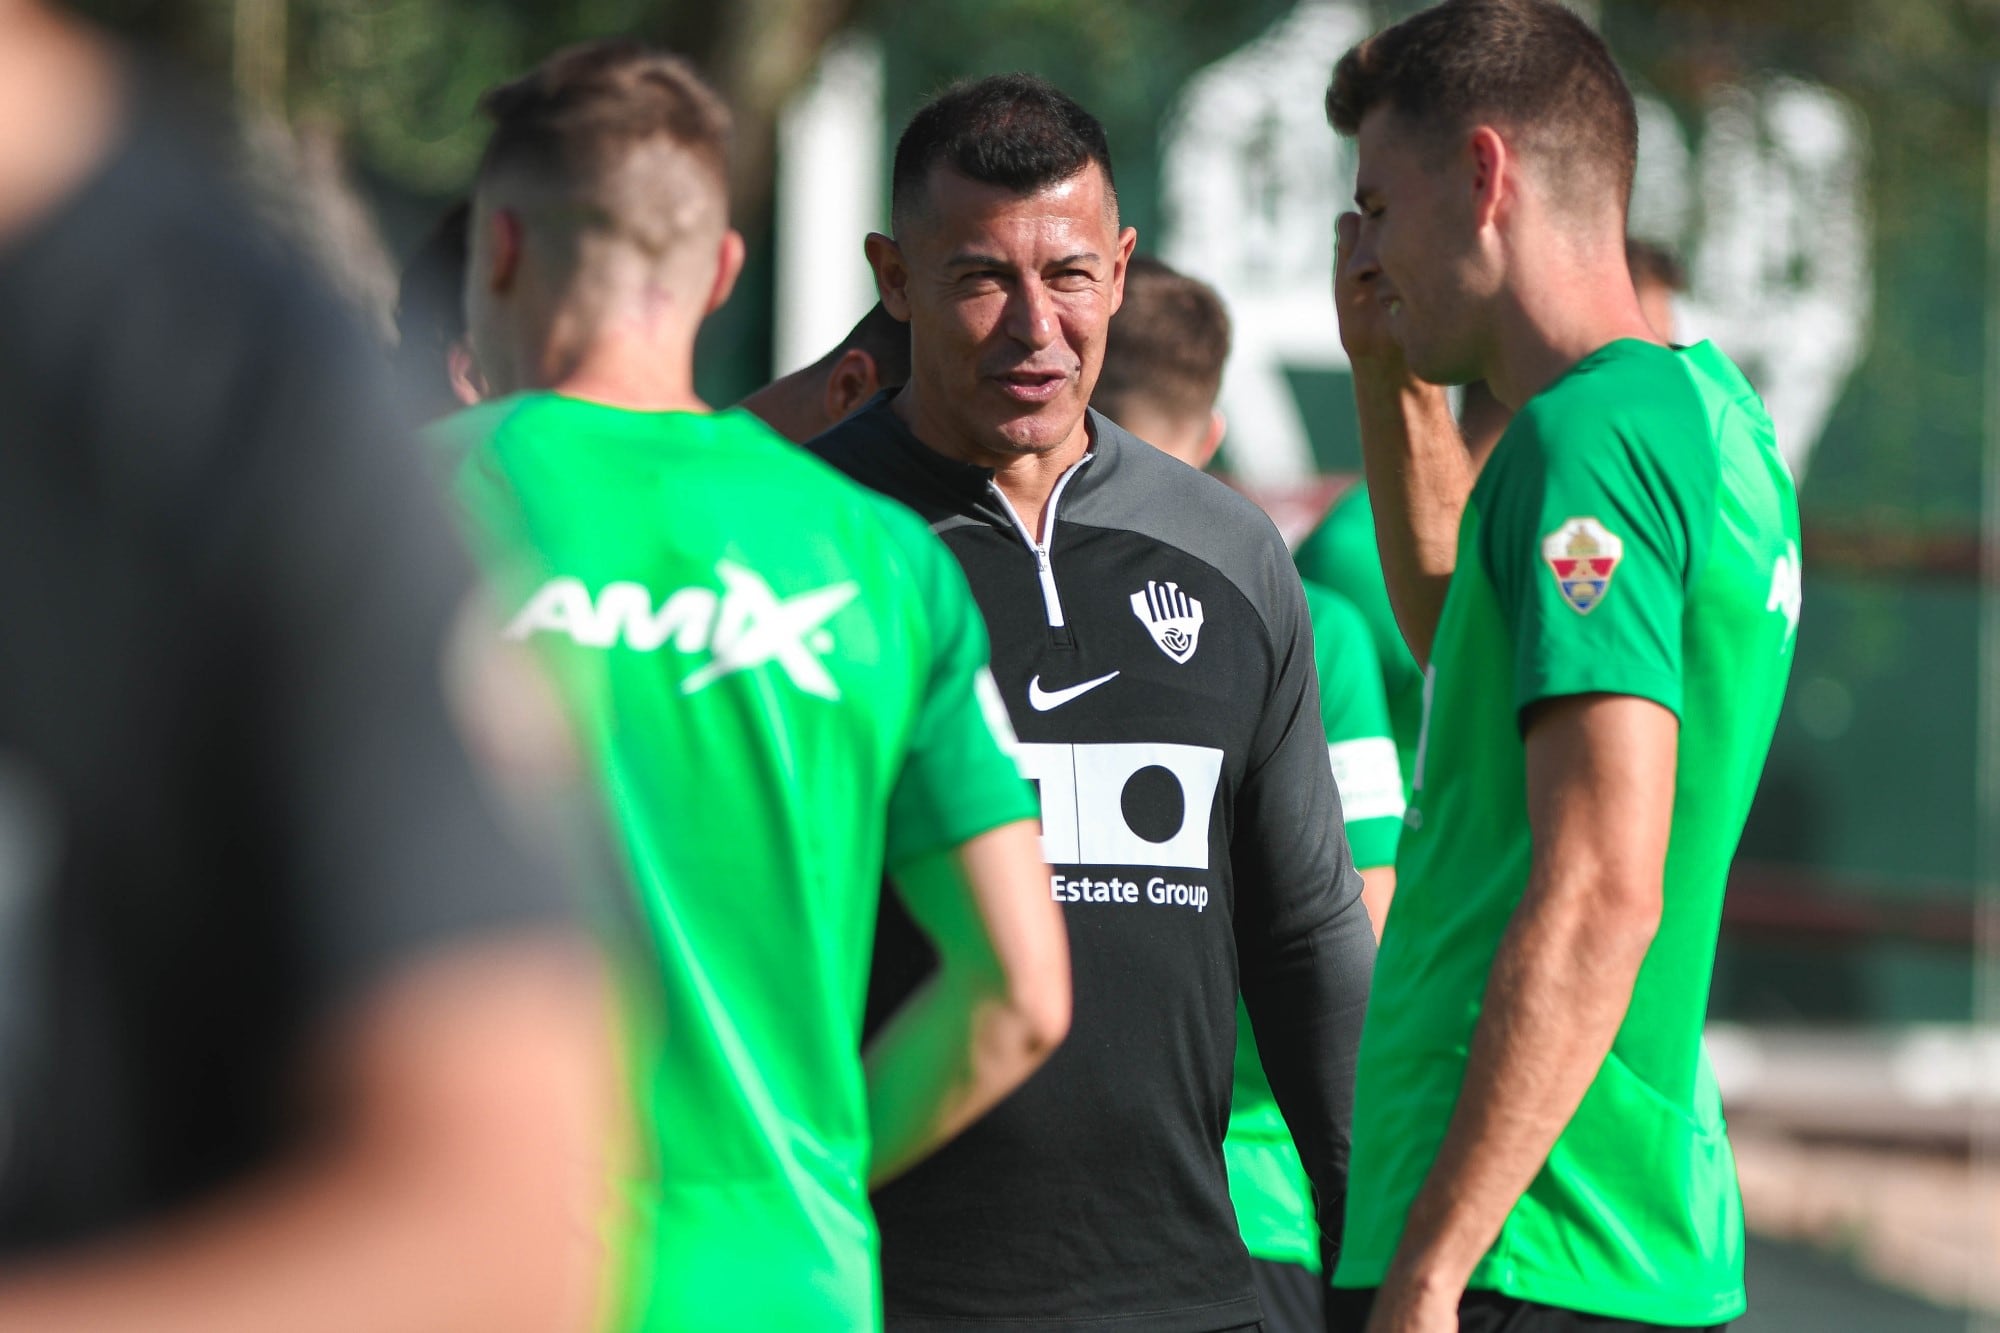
1031,386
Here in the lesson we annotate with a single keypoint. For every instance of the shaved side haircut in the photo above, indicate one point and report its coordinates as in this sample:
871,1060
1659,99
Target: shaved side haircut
1531,68
620,139
886,339
1166,347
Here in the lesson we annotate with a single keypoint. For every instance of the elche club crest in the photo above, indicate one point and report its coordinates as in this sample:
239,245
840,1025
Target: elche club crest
1583,556
1171,616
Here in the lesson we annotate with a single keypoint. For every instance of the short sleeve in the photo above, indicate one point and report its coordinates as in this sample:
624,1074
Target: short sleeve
1355,712
1585,537
959,777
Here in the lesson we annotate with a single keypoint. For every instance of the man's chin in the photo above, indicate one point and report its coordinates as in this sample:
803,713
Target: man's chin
1038,432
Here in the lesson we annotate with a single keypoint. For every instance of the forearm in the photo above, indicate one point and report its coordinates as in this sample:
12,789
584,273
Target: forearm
1558,991
1306,1003
457,1189
947,1057
1378,891
1419,479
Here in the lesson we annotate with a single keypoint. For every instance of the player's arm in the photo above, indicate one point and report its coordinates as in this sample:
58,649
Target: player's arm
964,854
1419,474
996,1007
1367,774
1305,948
1600,803
450,1187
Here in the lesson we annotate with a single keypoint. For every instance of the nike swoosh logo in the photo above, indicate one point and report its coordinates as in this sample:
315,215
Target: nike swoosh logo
1042,700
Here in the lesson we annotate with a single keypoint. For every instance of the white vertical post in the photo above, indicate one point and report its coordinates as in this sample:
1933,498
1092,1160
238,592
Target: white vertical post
830,194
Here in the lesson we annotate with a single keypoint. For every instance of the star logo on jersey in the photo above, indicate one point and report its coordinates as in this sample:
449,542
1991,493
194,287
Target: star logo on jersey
1171,616
747,627
1583,556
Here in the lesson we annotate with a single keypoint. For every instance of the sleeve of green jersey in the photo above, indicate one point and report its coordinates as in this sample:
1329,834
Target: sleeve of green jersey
1356,715
1585,535
959,776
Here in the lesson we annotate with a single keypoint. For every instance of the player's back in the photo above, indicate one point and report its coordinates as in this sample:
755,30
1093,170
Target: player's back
742,640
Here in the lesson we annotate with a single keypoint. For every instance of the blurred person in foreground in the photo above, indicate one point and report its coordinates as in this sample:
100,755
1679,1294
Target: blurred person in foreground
433,357
289,1037
782,685
875,355
1606,612
1163,363
1151,643
1341,553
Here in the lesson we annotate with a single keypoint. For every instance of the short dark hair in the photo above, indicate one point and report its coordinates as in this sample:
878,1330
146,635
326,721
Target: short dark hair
1016,131
886,339
1654,263
1167,344
574,116
1531,65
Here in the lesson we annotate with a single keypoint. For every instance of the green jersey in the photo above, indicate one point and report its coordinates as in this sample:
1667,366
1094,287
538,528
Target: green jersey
780,682
1635,533
1340,555
1267,1182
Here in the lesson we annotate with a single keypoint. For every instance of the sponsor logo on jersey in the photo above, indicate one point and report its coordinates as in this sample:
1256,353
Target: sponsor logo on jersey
1084,789
1042,700
1583,556
745,627
1171,616
1788,593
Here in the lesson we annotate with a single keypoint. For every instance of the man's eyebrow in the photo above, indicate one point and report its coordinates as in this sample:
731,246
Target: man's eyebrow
973,259
1081,257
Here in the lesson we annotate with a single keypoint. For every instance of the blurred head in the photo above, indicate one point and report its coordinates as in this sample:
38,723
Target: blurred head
1497,142
1007,263
1657,276
875,355
1163,361
600,212
433,355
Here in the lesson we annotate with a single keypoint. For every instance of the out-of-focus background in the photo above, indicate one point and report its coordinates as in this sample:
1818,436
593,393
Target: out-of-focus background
1829,172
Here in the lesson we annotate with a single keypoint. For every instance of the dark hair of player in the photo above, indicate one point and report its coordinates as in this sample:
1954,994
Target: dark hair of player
886,339
1015,131
1529,67
1167,344
430,294
1652,263
573,119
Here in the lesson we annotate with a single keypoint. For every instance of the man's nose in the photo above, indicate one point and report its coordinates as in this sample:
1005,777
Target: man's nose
1031,314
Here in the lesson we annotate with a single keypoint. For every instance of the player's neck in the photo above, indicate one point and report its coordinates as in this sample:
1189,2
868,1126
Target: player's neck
1026,479
1552,323
59,112
639,374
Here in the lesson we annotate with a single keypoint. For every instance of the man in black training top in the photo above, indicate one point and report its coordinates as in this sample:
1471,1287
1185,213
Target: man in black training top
1150,640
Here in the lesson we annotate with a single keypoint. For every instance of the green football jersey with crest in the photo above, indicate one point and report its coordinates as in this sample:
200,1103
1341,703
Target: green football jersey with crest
1635,533
1267,1181
779,680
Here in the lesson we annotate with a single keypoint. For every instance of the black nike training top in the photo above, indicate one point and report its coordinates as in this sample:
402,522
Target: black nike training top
1156,660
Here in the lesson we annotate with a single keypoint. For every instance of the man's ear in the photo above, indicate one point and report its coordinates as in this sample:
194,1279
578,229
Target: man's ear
892,275
1218,426
467,384
504,248
728,266
1493,167
853,382
1128,239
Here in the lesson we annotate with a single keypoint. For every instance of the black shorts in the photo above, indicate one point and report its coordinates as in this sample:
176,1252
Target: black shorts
1490,1312
1293,1297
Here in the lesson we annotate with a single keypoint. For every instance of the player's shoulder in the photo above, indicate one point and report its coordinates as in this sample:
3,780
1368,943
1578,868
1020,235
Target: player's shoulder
1629,389
1133,487
1332,612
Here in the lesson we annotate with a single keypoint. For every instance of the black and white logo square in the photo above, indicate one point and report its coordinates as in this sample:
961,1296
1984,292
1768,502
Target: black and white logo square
1171,616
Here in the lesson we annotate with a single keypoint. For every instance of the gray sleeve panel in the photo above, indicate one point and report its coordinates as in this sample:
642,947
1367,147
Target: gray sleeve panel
1305,947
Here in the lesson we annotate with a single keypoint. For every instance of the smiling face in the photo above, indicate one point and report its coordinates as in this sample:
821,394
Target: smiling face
1419,201
1008,298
